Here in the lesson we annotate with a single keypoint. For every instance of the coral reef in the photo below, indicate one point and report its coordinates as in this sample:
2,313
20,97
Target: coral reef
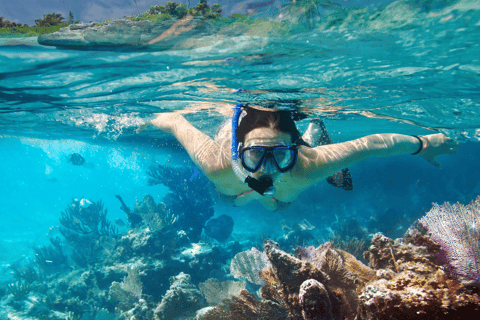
19,290
354,246
127,297
155,216
158,269
133,218
351,237
320,283
315,301
51,258
215,291
248,264
411,285
125,277
297,234
189,197
406,281
284,278
457,229
82,225
183,299
247,306
27,272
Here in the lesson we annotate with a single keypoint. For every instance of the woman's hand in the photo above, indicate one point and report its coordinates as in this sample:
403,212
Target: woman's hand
163,121
438,144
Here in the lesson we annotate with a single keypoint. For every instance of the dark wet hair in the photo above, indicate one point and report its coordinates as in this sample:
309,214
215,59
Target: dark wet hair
281,120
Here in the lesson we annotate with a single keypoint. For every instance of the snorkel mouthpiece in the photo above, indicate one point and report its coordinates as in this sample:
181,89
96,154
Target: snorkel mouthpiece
264,185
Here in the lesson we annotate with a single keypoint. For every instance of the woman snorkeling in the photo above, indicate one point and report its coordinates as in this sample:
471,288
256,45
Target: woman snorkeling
262,156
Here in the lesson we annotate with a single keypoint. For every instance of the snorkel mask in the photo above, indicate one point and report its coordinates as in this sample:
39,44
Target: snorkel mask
284,158
279,158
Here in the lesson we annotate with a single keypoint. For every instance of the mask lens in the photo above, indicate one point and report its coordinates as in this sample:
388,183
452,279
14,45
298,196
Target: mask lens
252,157
283,157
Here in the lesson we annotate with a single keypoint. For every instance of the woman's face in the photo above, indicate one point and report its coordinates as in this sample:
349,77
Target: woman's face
267,137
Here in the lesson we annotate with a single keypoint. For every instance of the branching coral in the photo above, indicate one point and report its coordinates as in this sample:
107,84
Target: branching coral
156,216
349,236
133,218
19,290
189,198
83,225
353,245
28,272
50,258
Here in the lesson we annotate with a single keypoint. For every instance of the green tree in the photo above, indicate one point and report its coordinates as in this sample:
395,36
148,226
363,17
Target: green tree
70,17
8,24
308,10
49,20
171,8
181,10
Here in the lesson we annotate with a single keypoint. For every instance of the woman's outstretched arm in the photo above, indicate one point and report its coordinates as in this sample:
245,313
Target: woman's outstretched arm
206,153
323,161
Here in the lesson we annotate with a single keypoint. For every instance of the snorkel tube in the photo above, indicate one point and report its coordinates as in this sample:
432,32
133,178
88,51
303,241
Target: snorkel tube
263,186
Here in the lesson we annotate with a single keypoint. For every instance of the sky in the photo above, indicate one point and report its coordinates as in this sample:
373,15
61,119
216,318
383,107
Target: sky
26,11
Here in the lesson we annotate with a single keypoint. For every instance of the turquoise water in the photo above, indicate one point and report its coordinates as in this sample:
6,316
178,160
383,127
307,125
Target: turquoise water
416,75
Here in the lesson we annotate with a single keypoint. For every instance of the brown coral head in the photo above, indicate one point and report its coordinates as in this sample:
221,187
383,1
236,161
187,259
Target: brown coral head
315,301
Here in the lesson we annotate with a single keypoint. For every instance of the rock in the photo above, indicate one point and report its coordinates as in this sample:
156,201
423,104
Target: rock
81,25
126,34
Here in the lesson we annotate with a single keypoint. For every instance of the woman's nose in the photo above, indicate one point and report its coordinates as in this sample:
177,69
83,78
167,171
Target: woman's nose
268,167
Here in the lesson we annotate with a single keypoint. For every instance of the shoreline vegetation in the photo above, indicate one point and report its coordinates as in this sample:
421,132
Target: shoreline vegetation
304,12
177,26
48,24
171,11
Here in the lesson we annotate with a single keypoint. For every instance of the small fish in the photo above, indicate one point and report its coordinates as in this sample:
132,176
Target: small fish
76,159
84,203
120,223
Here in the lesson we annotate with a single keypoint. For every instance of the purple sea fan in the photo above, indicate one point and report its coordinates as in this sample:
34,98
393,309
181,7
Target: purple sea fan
457,229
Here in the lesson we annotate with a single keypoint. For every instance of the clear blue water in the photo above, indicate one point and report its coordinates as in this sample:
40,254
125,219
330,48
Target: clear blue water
417,77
